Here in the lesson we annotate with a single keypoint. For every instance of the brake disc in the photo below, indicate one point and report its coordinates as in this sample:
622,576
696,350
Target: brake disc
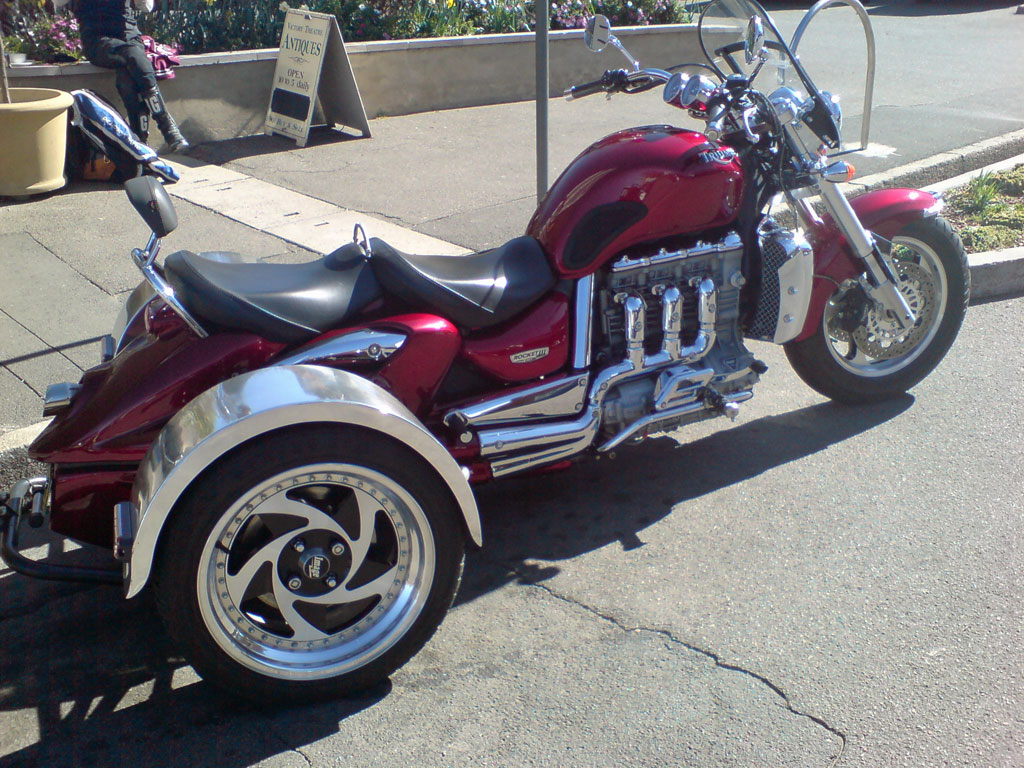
881,337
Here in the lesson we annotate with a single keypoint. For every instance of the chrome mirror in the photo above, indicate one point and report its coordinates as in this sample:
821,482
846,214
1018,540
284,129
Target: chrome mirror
753,41
598,33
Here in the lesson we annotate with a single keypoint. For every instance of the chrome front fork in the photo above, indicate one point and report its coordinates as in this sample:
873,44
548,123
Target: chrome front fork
881,277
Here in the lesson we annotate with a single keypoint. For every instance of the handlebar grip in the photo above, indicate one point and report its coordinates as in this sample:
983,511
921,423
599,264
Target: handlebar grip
716,119
586,89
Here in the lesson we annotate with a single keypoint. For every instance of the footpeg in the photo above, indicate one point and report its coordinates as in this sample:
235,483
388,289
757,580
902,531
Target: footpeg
717,402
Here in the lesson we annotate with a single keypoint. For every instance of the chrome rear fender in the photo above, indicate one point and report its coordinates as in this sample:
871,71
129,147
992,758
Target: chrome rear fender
256,404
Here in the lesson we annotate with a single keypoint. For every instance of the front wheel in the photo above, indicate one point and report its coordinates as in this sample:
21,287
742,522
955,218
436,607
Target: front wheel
860,354
309,564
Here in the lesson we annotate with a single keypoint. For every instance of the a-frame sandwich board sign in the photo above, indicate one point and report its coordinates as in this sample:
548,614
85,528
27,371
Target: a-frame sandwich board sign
312,64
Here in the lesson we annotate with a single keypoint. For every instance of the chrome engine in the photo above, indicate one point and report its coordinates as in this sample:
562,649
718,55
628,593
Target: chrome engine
665,350
697,358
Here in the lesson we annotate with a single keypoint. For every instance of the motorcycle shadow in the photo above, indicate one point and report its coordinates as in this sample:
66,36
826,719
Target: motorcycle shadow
89,679
559,516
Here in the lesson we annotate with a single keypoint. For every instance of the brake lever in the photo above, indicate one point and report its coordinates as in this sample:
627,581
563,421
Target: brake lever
748,114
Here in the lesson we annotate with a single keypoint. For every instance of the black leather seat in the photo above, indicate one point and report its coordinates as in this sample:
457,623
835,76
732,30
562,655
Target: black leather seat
473,291
282,302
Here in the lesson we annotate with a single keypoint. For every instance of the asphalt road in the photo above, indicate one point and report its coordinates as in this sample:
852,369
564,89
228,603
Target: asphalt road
810,582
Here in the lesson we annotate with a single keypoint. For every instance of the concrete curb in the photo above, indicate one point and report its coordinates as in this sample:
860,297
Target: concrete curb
995,274
948,165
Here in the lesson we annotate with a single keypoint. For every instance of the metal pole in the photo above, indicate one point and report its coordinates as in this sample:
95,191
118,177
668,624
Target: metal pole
542,97
5,93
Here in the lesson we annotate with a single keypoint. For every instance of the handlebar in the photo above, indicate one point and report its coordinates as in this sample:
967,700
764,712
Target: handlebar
585,89
716,121
619,81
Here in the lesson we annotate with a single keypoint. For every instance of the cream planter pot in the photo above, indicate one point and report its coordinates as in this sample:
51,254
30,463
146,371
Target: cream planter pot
33,140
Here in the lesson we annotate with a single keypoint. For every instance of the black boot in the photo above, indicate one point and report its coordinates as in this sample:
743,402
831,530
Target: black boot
138,118
175,141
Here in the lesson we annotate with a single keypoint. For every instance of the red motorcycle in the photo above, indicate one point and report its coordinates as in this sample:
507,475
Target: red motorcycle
285,454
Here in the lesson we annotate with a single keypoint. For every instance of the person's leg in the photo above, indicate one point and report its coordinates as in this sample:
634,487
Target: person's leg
136,82
138,112
144,76
109,52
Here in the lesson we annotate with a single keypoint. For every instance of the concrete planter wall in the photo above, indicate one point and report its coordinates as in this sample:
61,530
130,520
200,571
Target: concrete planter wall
33,137
225,95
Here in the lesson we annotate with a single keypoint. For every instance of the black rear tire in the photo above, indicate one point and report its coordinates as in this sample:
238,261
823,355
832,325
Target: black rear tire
309,564
878,361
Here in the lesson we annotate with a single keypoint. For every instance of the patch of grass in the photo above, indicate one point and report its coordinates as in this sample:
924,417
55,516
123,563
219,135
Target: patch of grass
992,237
1011,182
989,211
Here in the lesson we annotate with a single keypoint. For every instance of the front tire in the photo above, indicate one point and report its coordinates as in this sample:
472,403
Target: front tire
309,564
858,354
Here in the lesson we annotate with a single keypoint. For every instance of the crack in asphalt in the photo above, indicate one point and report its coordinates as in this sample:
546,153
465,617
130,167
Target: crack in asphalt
289,747
526,581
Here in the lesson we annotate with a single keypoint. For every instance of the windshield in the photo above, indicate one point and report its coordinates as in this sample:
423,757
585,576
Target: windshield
725,36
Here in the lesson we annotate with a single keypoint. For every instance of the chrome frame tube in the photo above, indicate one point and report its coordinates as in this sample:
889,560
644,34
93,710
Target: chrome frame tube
145,261
583,319
869,76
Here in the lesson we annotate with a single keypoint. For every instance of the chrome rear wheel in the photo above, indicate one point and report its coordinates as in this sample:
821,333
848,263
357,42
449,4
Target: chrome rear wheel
316,571
313,563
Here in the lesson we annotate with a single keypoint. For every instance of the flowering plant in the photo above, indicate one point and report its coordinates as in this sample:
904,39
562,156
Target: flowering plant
55,39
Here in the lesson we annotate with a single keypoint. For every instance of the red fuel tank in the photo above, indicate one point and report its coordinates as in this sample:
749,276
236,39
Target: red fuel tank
634,186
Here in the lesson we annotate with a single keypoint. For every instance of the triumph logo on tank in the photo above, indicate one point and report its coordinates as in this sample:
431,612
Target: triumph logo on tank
723,156
530,355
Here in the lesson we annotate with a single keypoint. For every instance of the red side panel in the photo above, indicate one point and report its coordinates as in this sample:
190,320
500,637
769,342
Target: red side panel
125,402
414,373
527,347
636,186
83,503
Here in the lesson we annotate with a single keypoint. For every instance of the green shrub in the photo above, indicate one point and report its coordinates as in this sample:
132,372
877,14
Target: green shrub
201,26
988,238
1011,182
197,26
980,192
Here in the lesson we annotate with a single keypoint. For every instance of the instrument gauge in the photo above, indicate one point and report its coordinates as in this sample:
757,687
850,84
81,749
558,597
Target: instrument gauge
696,92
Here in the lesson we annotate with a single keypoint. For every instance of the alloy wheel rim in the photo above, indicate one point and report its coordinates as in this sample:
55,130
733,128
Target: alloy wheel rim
316,572
879,348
